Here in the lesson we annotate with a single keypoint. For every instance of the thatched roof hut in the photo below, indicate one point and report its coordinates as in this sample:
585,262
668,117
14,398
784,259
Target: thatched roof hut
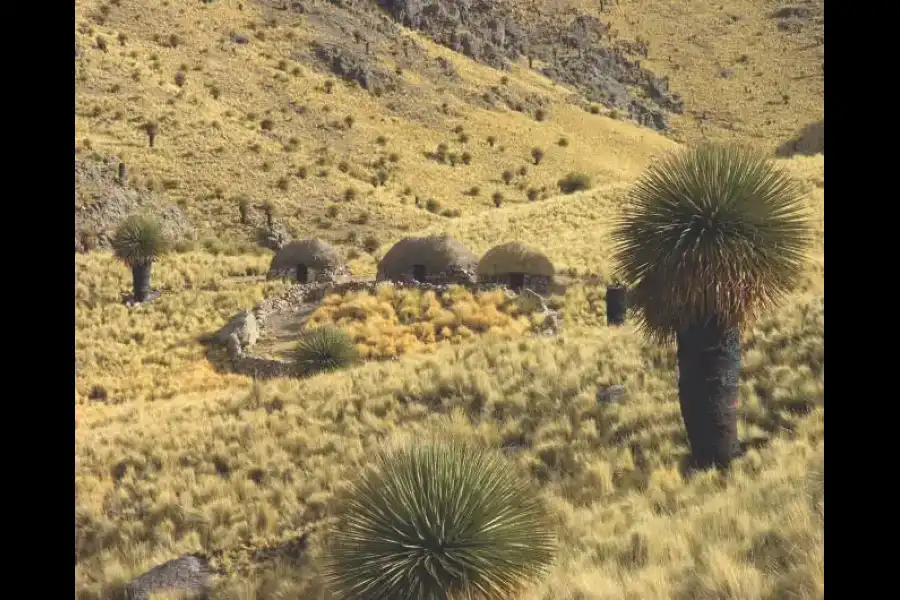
432,259
305,260
514,257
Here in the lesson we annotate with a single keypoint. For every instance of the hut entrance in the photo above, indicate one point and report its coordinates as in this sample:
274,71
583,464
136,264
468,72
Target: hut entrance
302,273
419,273
516,281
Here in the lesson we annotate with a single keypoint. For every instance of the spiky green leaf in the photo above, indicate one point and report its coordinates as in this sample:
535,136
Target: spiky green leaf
713,231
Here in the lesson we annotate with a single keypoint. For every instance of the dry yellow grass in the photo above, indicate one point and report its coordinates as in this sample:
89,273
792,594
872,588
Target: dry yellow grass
182,457
392,322
159,479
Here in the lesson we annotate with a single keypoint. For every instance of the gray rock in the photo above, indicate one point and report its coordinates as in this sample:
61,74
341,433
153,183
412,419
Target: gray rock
244,326
235,350
189,574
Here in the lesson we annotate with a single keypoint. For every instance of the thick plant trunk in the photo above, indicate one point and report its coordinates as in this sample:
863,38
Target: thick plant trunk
616,305
709,364
140,275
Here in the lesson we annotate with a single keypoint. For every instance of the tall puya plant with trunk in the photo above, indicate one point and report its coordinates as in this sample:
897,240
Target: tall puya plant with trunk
139,242
710,236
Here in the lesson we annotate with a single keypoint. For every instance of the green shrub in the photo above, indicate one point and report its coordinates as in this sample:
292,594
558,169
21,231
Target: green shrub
323,349
574,182
436,521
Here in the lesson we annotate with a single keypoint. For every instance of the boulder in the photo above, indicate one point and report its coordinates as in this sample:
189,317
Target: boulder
244,326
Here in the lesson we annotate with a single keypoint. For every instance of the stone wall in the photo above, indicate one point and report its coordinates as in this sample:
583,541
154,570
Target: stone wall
329,275
453,275
261,368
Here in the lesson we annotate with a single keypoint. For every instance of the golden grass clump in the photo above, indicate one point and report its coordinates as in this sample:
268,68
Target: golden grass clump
394,321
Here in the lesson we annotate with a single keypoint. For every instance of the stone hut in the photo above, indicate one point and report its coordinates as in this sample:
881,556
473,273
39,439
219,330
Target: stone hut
517,266
307,261
437,260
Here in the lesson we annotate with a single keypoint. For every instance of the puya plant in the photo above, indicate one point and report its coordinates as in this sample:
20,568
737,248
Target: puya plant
709,236
439,520
139,242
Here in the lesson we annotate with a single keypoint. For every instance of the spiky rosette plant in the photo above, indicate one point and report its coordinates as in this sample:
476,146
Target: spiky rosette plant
139,242
325,348
710,236
441,520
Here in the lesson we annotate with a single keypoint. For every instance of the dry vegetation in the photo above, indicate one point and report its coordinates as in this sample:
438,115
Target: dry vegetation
173,456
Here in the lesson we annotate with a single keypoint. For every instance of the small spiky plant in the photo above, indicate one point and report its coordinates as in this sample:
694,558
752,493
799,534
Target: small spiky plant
139,242
325,348
152,130
710,236
439,521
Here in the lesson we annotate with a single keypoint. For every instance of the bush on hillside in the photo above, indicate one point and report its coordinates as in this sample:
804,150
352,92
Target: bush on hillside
574,182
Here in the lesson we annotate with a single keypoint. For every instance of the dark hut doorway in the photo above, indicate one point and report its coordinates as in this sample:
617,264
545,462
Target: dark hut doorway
419,273
516,281
302,273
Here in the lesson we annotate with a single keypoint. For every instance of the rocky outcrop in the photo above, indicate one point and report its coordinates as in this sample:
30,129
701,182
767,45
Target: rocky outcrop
352,65
577,52
103,201
190,575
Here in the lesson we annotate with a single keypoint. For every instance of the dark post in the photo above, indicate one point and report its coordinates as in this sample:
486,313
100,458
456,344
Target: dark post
121,172
616,304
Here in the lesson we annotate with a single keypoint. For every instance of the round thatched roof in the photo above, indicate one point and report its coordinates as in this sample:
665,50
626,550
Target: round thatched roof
313,253
514,257
436,253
